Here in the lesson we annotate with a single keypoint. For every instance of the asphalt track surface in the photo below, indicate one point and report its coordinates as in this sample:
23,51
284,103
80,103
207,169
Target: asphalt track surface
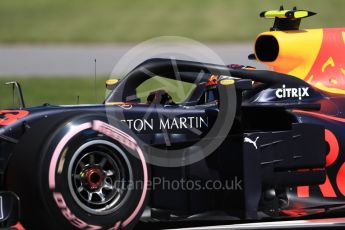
326,223
78,60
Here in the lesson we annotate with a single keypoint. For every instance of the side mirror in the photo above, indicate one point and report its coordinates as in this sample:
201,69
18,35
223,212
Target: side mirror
16,87
111,83
9,209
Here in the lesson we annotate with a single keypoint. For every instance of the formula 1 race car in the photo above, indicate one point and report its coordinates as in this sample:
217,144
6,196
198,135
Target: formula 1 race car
244,144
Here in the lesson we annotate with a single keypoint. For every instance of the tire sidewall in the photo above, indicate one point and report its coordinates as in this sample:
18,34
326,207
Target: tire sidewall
59,202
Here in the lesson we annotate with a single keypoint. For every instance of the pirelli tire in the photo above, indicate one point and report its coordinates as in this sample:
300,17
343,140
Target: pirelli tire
79,172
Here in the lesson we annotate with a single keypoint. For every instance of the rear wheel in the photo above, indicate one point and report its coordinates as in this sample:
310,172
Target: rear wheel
79,172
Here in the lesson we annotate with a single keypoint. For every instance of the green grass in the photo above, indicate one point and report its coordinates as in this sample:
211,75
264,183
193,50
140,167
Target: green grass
65,90
75,21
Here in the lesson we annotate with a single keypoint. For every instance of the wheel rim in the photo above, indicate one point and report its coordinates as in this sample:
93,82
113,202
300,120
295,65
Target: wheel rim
98,176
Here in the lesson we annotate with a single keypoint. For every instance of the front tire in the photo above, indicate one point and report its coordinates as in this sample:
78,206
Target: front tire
79,172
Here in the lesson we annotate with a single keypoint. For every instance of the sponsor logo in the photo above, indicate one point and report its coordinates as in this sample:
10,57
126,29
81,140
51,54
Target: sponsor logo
248,140
70,216
166,123
334,185
292,92
328,68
